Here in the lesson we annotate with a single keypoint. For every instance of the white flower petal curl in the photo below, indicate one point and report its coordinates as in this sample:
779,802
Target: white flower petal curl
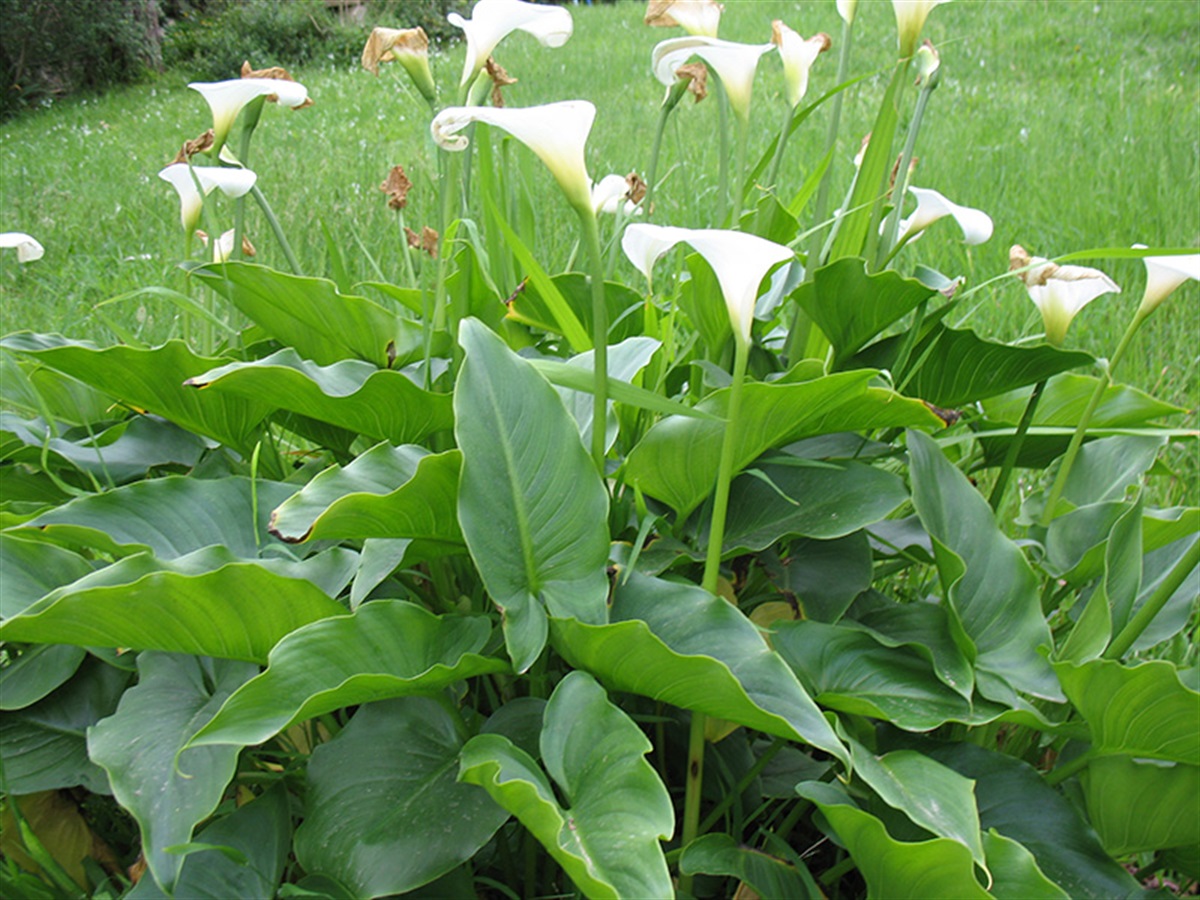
493,20
556,132
798,55
609,193
734,63
28,248
1163,275
231,182
1060,292
976,225
739,260
226,98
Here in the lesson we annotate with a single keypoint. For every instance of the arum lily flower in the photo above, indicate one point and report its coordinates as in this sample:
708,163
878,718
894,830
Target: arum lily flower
493,20
1163,275
1060,292
734,63
798,55
556,132
610,192
232,182
846,9
976,225
694,16
223,246
227,98
28,249
407,46
739,260
910,19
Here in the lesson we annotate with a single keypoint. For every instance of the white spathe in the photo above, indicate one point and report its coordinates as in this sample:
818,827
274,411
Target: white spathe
1060,292
493,20
28,248
846,9
739,260
1163,275
734,63
701,17
556,132
609,193
798,55
226,98
976,225
182,177
910,20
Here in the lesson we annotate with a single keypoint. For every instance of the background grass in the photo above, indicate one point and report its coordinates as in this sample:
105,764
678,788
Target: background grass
1074,123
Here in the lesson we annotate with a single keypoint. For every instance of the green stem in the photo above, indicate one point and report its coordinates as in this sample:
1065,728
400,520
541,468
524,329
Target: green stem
1153,606
261,199
739,184
664,113
1068,461
695,780
777,159
1014,449
892,228
744,782
405,251
1066,770
821,202
723,159
591,234
447,187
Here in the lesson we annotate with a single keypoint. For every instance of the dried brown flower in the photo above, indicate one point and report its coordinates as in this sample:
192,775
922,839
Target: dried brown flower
637,187
397,187
697,76
195,145
500,79
427,240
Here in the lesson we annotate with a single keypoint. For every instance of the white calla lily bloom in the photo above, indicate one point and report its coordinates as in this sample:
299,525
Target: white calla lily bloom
846,9
734,63
701,17
739,260
556,132
1163,275
976,225
227,98
1060,292
493,20
910,20
609,193
28,248
798,55
231,182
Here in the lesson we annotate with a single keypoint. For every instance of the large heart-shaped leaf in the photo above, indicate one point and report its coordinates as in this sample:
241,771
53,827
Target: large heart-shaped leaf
677,460
375,790
607,836
987,579
380,403
385,649
1066,396
310,315
1139,805
681,645
32,569
167,788
152,380
531,504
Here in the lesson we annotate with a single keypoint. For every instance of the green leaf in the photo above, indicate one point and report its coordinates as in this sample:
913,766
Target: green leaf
386,649
825,576
352,394
1015,871
607,837
679,644
44,747
167,788
309,315
31,570
378,790
1139,805
564,375
702,301
208,603
29,677
851,307
719,854
921,870
1075,542
678,458
925,628
532,507
1105,468
988,582
530,308
169,517
387,492
625,361
152,380
1142,710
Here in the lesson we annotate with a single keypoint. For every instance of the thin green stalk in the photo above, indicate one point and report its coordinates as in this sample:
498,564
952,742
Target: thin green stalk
674,94
277,228
739,184
1068,461
694,782
744,782
591,234
892,227
447,186
723,151
1065,771
821,202
405,252
1014,449
1153,606
777,159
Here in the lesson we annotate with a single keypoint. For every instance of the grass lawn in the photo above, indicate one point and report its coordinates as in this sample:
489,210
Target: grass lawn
1074,123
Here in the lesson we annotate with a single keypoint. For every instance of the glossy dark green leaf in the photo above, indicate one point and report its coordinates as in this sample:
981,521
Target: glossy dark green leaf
825,576
531,504
1105,468
679,644
769,876
36,390
617,811
1175,615
987,579
925,628
169,517
167,788
32,569
208,603
1076,542
1137,805
1066,396
530,308
1015,872
379,403
152,380
385,649
677,460
851,307
387,492
309,315
36,672
380,791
